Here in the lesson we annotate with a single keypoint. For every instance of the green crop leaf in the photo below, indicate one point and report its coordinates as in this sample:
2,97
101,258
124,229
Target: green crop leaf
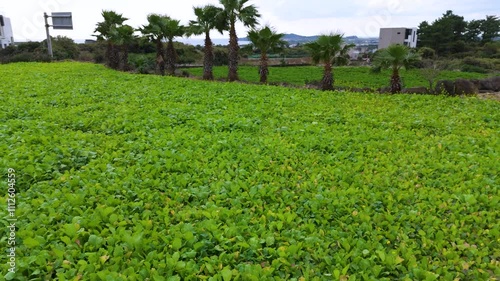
270,240
176,244
164,178
30,242
226,274
10,275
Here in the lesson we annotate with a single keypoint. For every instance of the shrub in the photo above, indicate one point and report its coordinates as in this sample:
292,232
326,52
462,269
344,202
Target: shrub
220,57
470,64
473,68
142,63
86,56
427,53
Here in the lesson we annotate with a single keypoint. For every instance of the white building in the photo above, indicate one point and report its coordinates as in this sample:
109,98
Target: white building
6,35
398,35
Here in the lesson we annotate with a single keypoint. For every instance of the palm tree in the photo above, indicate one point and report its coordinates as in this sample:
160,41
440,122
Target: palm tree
155,31
395,57
330,50
266,40
123,36
206,20
173,29
112,20
237,10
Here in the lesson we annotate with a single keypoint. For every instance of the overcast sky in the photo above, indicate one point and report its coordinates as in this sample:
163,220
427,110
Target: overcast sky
363,18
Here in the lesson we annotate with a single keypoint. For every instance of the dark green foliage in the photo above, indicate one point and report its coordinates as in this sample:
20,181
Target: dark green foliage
451,34
28,47
443,34
24,52
490,28
96,51
187,54
63,48
143,63
36,52
220,57
427,53
470,64
491,50
473,68
108,31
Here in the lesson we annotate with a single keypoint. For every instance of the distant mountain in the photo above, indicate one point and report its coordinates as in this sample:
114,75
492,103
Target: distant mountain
293,38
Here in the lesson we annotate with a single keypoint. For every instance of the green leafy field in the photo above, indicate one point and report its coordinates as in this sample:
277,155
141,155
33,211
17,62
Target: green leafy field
357,77
141,177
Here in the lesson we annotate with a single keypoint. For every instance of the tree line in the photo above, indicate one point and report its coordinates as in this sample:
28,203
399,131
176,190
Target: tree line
451,34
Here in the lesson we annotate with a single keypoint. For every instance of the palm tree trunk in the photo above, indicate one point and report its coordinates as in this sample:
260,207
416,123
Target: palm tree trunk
233,54
170,62
124,58
109,53
263,69
327,81
160,60
114,57
395,81
208,60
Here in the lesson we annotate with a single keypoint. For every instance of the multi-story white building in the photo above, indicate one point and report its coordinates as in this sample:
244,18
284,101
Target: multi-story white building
398,35
6,35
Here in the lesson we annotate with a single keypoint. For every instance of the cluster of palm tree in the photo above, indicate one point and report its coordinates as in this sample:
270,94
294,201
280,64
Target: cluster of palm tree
118,36
163,27
328,49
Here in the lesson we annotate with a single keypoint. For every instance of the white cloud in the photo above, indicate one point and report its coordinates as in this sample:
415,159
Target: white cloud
353,17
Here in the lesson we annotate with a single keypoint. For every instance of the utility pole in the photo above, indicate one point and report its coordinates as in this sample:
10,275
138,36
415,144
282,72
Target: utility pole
49,42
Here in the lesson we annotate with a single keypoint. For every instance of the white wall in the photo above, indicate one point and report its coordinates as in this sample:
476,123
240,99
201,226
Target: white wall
6,35
397,35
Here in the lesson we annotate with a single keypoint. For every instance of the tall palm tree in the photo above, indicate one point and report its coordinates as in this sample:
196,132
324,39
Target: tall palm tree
329,50
266,40
237,10
206,20
112,20
395,57
155,31
173,29
123,36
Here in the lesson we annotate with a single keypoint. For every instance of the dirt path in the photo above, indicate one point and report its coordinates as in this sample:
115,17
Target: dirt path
491,96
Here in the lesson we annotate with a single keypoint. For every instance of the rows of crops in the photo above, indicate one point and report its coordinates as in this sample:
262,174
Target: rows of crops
353,77
135,177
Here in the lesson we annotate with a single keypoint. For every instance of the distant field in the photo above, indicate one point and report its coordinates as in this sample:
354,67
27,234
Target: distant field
141,177
358,77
